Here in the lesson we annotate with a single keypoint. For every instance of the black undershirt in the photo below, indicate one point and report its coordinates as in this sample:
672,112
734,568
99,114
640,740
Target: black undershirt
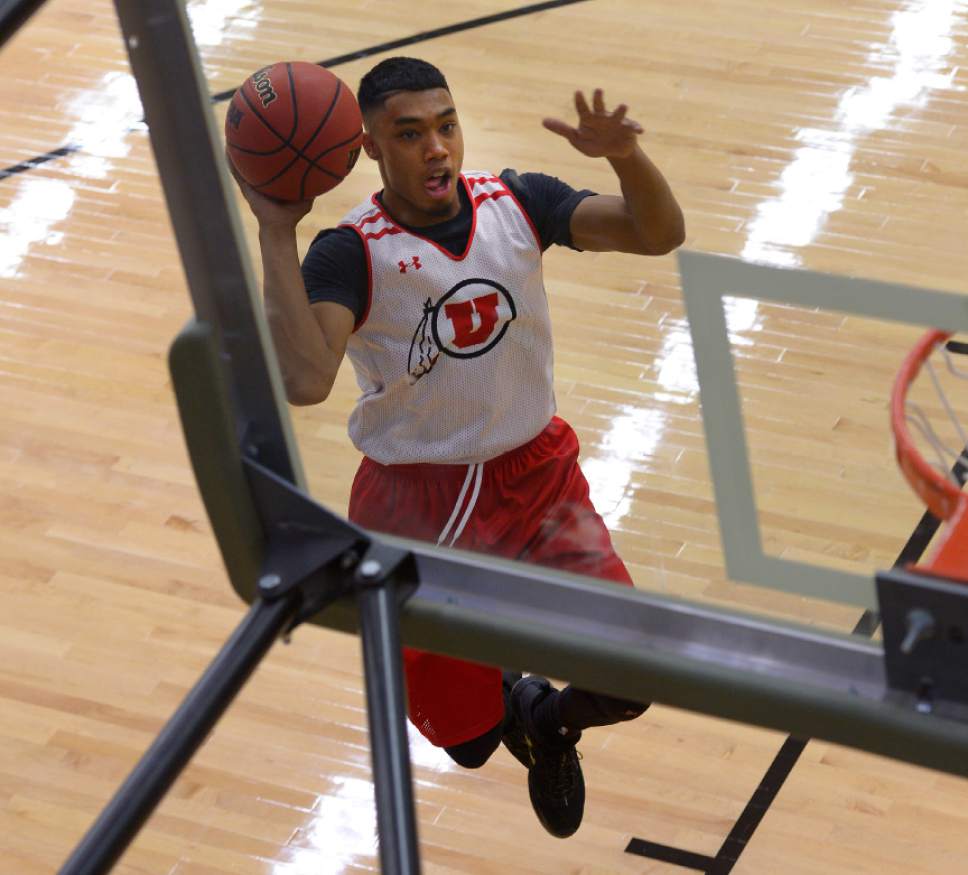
334,268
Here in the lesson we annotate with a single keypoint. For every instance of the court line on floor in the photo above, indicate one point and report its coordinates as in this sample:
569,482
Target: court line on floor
425,35
422,36
32,163
789,753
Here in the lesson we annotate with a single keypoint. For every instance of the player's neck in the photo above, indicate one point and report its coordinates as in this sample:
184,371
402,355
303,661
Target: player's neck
403,212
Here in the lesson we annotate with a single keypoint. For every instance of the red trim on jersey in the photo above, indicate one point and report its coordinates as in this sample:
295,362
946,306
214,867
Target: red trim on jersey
369,274
373,218
494,195
396,229
382,233
380,212
524,212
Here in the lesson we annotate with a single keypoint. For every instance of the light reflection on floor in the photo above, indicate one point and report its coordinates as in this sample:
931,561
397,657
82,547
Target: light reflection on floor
632,437
215,21
38,205
634,433
104,118
341,830
815,183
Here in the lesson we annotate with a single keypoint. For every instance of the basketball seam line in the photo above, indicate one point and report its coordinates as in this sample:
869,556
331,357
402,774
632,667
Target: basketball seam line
288,143
316,133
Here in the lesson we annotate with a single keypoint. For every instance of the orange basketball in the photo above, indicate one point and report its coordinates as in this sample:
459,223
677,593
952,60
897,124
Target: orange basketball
293,130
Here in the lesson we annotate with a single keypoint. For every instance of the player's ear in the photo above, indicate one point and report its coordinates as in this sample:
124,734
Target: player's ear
370,147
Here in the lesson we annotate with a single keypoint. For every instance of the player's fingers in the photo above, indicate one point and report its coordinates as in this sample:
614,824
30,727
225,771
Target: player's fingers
598,100
634,125
581,105
620,111
559,127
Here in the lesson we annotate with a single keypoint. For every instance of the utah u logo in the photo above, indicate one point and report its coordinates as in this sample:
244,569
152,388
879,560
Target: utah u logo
468,321
412,262
473,320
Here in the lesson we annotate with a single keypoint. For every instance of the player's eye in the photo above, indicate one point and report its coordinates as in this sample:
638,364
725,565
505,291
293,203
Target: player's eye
408,135
449,127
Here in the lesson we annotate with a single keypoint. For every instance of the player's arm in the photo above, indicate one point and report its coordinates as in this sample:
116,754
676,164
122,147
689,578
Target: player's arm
310,340
647,219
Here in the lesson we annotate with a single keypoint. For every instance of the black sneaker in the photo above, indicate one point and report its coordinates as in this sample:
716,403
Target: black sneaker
514,737
555,781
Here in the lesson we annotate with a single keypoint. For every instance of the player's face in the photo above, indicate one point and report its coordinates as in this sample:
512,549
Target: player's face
418,143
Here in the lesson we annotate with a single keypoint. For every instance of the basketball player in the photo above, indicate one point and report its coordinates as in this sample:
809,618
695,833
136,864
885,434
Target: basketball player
433,288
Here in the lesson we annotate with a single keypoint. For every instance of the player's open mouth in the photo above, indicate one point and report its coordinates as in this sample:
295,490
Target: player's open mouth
438,185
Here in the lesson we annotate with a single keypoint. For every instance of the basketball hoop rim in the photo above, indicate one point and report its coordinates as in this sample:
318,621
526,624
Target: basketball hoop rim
942,497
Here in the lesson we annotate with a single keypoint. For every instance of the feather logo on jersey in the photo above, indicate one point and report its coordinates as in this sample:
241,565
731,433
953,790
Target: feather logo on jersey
468,321
422,346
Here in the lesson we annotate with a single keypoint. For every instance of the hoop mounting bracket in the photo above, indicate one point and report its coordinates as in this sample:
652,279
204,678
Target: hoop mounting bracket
925,638
313,551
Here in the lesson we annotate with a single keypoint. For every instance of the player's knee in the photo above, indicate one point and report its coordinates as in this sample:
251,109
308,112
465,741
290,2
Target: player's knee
474,753
467,759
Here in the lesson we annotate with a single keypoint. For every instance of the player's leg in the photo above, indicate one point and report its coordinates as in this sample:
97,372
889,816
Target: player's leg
520,488
573,537
570,535
548,746
474,753
454,703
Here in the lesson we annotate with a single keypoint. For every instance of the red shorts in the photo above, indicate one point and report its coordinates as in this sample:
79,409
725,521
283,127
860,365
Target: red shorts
532,504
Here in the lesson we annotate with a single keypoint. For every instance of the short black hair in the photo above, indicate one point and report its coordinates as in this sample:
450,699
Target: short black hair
397,74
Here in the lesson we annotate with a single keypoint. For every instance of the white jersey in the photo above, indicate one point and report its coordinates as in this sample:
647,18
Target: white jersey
453,354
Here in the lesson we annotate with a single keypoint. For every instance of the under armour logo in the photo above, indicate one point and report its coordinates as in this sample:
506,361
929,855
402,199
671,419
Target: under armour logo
413,262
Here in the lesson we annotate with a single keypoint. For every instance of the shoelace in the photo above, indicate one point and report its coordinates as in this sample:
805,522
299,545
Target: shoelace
565,775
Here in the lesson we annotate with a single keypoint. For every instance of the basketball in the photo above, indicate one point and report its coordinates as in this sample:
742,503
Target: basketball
293,130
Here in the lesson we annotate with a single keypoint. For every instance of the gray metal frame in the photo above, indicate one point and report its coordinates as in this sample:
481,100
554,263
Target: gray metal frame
706,279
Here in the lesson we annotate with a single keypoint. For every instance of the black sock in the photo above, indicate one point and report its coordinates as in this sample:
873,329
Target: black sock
563,714
547,719
578,709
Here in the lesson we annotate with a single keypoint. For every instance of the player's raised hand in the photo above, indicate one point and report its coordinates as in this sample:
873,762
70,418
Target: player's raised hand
600,133
267,210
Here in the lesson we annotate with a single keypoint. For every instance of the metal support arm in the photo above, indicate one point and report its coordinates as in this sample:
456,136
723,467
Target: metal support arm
138,796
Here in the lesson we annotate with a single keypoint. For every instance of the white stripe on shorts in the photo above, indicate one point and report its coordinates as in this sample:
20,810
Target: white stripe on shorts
478,477
457,506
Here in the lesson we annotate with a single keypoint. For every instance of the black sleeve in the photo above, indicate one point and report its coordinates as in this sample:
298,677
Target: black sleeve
549,203
334,269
